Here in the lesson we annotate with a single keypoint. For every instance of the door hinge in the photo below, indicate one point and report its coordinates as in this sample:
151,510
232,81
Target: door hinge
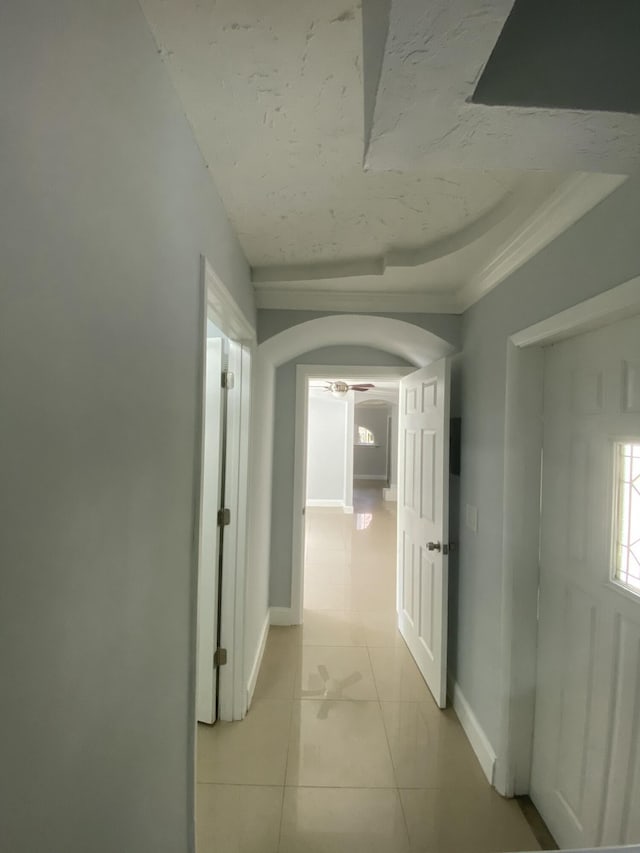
228,380
224,517
219,657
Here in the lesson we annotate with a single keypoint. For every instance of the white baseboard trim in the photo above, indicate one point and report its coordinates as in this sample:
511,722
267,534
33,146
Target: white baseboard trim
282,616
348,509
473,730
390,494
255,669
370,477
324,502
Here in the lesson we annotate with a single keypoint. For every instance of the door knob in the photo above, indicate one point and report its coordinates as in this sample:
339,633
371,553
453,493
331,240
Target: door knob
434,546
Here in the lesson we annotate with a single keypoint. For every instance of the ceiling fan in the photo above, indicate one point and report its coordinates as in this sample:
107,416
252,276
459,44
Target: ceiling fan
339,388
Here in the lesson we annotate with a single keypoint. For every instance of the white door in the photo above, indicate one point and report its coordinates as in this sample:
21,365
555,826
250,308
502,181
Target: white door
423,521
586,755
208,564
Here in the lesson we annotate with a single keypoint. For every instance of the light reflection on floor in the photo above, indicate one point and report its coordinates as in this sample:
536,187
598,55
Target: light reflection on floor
344,748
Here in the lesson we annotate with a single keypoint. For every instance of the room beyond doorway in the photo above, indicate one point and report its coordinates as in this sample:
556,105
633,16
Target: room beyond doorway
350,560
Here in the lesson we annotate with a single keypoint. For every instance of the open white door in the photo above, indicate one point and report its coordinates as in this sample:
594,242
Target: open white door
208,565
423,521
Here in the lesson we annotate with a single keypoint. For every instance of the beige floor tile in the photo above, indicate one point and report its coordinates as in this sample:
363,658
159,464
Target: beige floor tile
372,595
342,820
319,595
285,637
429,748
335,672
464,820
381,628
397,676
238,818
321,569
332,628
338,744
252,751
278,671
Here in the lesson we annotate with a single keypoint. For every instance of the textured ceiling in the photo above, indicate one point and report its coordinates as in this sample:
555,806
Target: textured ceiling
274,93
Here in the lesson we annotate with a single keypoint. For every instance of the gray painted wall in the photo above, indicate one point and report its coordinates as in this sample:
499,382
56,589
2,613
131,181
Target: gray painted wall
284,436
599,252
105,207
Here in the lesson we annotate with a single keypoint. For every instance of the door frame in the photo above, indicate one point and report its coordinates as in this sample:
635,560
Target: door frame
305,372
219,305
521,520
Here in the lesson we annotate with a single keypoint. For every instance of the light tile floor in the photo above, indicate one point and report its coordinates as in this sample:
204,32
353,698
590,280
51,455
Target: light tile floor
343,749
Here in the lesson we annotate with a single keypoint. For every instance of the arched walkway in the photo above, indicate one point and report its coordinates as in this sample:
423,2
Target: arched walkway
412,343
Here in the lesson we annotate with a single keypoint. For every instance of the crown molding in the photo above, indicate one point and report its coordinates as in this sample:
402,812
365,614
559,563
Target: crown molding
304,299
394,258
576,196
223,308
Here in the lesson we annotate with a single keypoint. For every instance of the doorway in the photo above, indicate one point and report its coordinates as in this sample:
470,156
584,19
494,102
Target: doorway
347,480
325,448
226,352
588,791
585,777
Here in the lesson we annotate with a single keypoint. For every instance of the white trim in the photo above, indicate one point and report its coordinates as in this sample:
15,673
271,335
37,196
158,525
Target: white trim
575,197
349,453
475,733
348,510
257,661
607,307
307,298
305,372
521,520
381,477
282,616
229,317
326,502
390,494
222,308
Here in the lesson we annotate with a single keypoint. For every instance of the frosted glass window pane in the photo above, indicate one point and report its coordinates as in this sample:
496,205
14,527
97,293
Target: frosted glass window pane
627,569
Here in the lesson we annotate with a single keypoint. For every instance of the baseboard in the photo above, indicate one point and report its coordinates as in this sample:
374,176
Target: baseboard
473,730
381,477
323,502
255,669
390,494
282,616
348,509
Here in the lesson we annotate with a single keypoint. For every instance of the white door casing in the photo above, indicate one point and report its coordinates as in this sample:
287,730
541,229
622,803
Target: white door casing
586,754
208,563
423,518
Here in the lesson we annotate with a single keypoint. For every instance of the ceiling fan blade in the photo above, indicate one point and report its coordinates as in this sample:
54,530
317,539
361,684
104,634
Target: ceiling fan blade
364,387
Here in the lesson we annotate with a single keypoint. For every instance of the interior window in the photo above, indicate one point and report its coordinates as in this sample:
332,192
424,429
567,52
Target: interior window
627,523
365,436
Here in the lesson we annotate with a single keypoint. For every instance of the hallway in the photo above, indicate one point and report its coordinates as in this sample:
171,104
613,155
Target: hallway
343,748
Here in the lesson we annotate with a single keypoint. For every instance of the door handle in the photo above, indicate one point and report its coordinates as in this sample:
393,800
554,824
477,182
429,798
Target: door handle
445,549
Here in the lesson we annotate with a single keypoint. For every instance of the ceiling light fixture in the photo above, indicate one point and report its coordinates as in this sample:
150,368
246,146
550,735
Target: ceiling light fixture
339,389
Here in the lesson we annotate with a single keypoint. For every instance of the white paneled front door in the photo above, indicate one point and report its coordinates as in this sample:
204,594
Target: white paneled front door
423,521
586,756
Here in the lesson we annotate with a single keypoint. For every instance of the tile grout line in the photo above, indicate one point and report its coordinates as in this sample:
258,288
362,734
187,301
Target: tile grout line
393,766
286,763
